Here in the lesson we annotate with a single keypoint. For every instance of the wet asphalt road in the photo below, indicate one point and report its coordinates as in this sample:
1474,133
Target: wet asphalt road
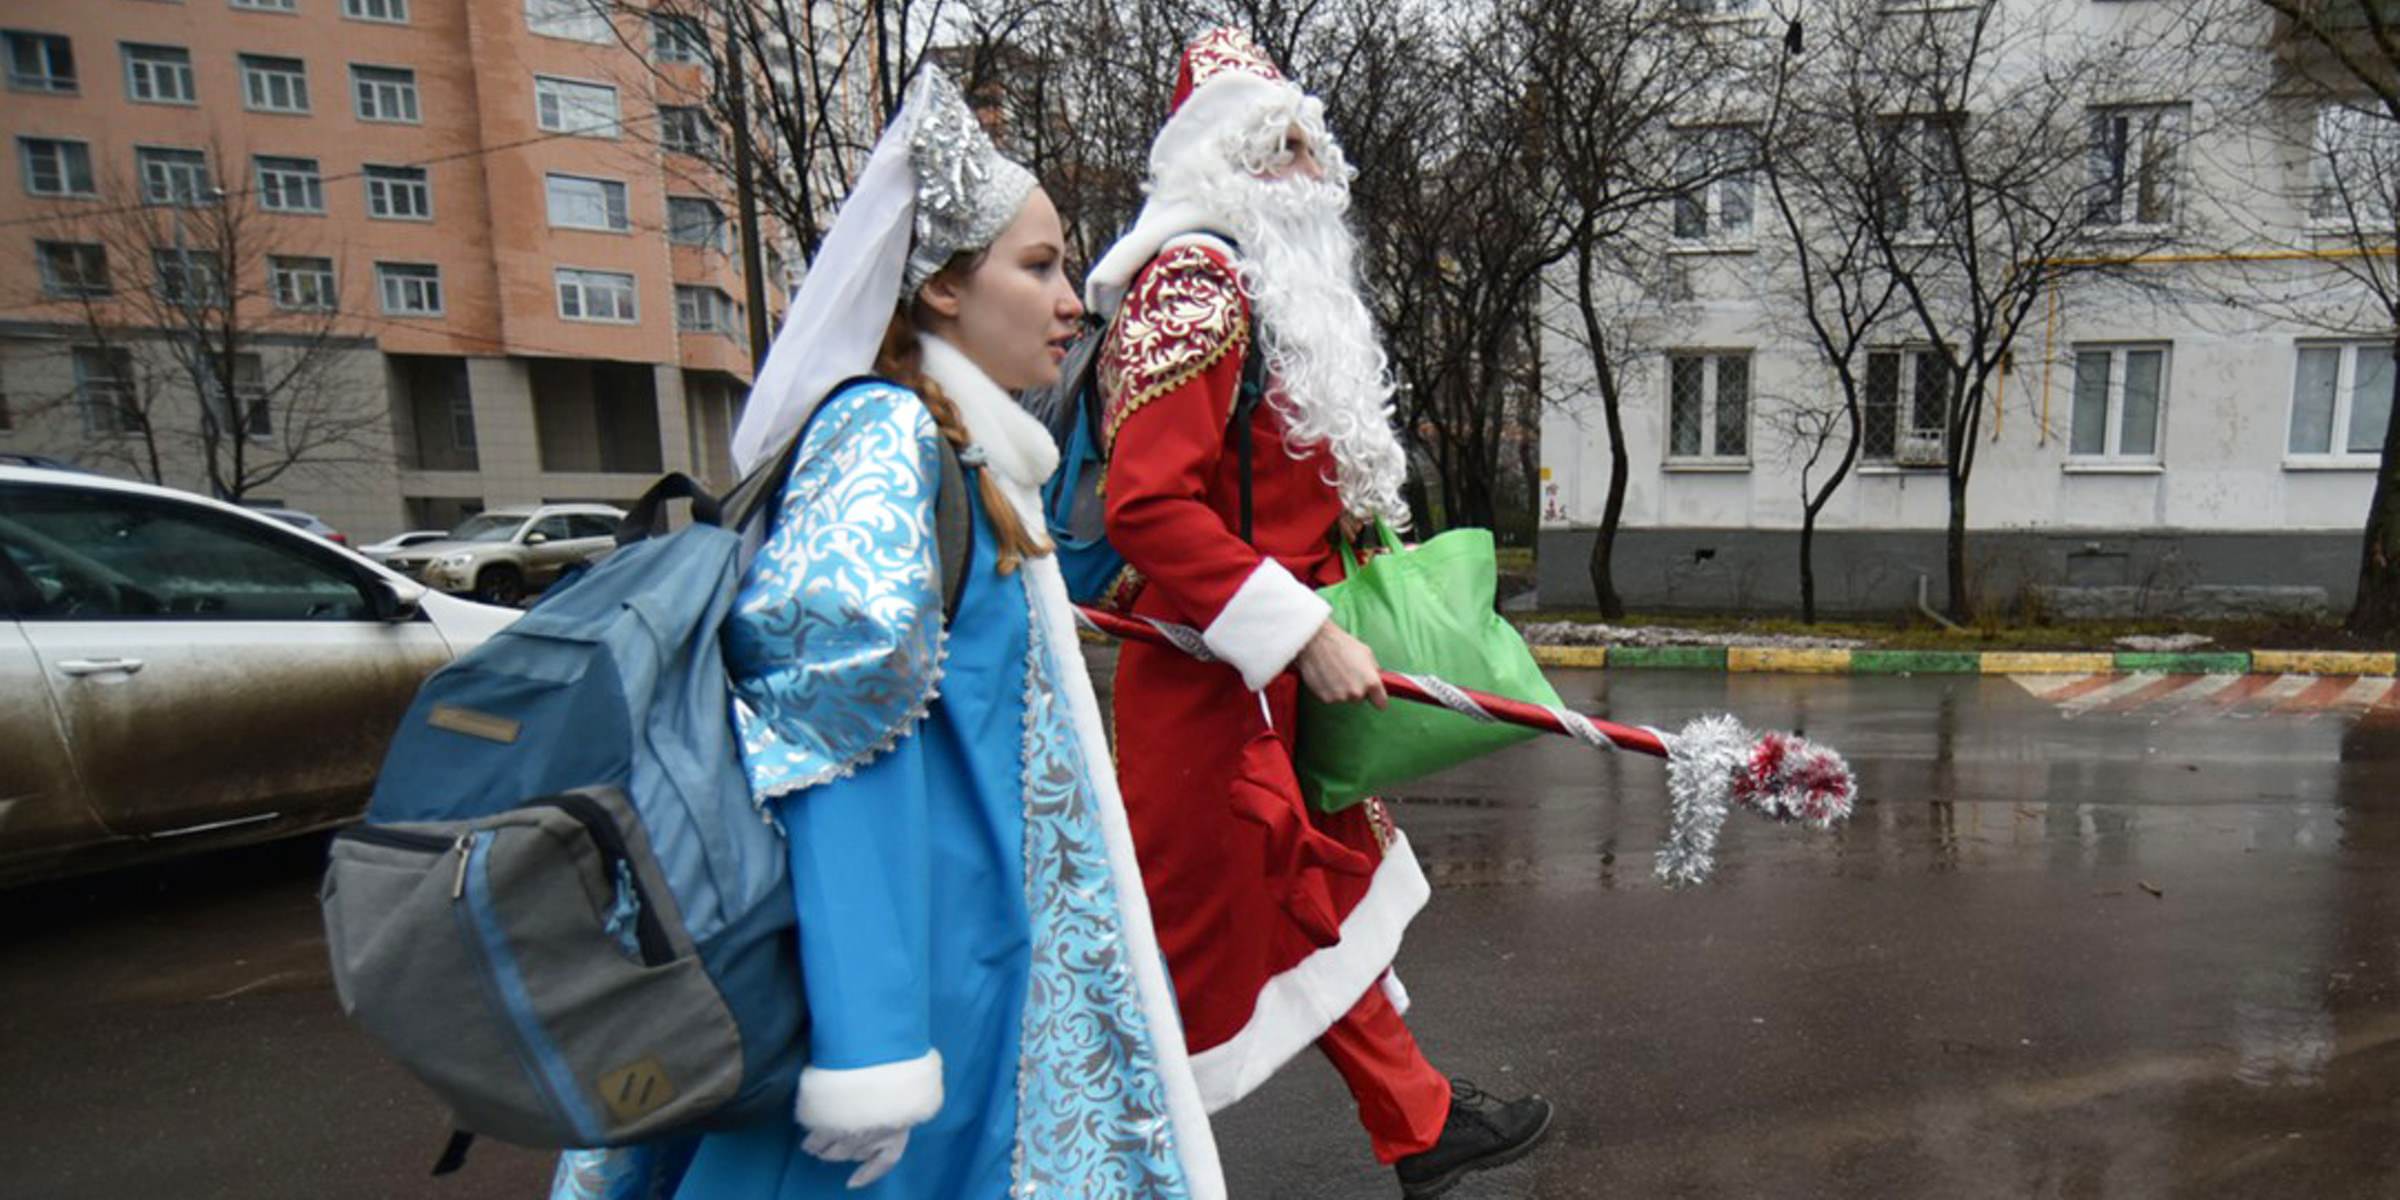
2112,955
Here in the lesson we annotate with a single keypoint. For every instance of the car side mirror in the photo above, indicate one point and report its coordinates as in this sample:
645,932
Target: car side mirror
395,600
536,539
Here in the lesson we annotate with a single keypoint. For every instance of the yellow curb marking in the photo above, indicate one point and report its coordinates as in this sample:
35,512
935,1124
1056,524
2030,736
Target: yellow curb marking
2011,662
1571,656
2321,662
1788,660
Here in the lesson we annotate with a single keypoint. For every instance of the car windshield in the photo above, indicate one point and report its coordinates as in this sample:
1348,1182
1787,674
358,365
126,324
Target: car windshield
487,527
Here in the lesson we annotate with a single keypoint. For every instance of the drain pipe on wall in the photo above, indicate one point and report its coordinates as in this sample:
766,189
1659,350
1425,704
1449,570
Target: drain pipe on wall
1922,585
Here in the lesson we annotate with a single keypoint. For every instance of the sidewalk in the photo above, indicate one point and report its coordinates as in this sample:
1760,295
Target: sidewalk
1821,661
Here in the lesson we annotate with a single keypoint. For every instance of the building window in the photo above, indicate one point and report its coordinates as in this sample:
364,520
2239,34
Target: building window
1919,176
677,39
2354,168
159,74
694,221
174,176
1719,209
2341,400
399,193
274,84
462,420
705,310
580,20
302,284
269,5
393,11
385,94
2119,393
248,412
39,62
595,295
569,106
1716,8
192,278
73,268
580,203
410,289
1708,407
2131,166
684,130
56,168
290,185
1907,408
104,390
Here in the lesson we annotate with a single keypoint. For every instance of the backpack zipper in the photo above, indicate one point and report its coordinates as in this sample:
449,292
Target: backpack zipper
398,839
505,986
657,950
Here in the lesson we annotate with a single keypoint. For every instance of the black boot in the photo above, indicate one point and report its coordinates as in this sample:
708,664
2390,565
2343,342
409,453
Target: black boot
1482,1131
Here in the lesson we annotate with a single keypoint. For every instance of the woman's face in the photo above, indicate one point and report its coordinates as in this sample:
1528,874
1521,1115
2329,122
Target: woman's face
1014,313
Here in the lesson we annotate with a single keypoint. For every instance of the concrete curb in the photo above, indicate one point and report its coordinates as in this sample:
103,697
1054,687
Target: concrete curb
1777,660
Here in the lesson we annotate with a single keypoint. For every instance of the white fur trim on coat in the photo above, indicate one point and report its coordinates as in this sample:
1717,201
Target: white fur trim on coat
1298,1006
1261,630
890,1096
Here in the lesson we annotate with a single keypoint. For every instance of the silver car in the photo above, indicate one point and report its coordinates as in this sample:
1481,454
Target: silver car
502,555
177,673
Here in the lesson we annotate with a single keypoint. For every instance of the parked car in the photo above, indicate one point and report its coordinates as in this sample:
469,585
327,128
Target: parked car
502,555
300,520
380,551
178,673
13,458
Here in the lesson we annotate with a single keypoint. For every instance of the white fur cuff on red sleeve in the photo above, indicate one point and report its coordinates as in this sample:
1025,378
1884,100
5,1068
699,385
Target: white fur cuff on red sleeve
1266,623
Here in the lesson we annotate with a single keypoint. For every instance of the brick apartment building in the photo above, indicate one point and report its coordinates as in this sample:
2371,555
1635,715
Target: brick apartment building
478,222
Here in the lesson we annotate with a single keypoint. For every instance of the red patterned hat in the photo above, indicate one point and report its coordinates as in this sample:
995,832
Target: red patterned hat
1213,55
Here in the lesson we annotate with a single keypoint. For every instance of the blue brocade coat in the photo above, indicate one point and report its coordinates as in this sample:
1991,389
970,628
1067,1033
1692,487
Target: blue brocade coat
973,931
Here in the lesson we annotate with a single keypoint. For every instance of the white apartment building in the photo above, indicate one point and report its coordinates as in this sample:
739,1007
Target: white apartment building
2201,440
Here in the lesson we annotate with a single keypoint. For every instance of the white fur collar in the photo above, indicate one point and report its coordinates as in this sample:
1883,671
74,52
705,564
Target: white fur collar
1018,445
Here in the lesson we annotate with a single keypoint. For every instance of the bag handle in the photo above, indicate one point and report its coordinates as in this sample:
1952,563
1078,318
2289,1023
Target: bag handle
648,517
1384,531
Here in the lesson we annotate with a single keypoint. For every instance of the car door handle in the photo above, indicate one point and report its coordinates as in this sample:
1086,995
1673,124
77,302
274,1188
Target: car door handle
99,666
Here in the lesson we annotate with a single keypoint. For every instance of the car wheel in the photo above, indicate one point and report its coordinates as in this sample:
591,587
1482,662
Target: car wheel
504,586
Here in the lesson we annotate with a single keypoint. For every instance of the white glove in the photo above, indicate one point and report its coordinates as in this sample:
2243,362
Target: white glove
879,1150
862,1115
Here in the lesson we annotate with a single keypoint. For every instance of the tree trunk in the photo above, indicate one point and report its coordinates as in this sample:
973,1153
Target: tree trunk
1808,565
2376,611
1960,607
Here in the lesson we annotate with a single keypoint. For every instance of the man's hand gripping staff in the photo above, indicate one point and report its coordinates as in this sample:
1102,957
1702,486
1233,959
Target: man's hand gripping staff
1713,763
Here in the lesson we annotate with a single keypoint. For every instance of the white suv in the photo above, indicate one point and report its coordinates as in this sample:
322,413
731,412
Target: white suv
502,555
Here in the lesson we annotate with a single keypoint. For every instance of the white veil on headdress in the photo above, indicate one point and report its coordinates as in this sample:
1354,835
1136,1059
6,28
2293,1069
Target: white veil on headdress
934,186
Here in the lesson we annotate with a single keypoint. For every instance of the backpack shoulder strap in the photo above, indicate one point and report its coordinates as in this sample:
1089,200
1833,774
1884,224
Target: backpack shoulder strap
954,538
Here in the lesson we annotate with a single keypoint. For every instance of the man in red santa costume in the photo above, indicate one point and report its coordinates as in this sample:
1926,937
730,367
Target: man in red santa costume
1279,923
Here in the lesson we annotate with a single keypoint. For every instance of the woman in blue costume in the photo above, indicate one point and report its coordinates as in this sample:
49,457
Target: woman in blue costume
990,1015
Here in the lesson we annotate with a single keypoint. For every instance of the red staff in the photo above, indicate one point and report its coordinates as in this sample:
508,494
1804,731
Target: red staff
1713,763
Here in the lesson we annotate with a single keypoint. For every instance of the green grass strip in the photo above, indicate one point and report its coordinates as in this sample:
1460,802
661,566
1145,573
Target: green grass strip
1673,658
1915,662
2220,662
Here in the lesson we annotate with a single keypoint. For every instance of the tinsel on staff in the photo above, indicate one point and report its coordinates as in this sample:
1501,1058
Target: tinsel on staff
1713,763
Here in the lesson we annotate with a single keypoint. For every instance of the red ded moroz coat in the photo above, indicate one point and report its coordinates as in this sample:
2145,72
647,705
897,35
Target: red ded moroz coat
1275,919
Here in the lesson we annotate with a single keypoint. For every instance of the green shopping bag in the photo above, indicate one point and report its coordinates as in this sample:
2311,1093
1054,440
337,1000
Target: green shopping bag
1426,611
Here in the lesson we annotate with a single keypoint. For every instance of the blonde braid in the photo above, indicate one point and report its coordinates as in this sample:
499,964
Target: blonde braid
902,360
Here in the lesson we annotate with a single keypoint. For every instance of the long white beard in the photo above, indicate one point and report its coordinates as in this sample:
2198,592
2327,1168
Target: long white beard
1299,265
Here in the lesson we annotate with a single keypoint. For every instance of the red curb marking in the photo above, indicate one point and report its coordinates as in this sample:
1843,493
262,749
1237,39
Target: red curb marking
2242,689
2081,687
2318,695
2166,686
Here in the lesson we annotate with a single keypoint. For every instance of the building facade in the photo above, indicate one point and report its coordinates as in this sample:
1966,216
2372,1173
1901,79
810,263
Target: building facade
2196,433
477,258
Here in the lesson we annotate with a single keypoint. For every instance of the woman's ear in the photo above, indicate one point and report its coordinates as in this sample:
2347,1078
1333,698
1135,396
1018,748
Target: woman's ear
940,295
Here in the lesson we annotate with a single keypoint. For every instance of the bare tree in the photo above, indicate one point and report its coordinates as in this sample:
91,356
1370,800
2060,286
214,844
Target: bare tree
1989,170
2338,65
202,349
1624,89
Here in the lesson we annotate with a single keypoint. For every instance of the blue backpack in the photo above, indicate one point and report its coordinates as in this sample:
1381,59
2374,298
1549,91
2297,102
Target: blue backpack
1072,506
563,912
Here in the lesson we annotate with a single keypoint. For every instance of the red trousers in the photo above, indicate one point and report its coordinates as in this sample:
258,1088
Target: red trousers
1402,1100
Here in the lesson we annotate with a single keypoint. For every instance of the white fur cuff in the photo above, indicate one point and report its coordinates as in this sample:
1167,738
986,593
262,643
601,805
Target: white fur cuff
863,1099
1266,623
